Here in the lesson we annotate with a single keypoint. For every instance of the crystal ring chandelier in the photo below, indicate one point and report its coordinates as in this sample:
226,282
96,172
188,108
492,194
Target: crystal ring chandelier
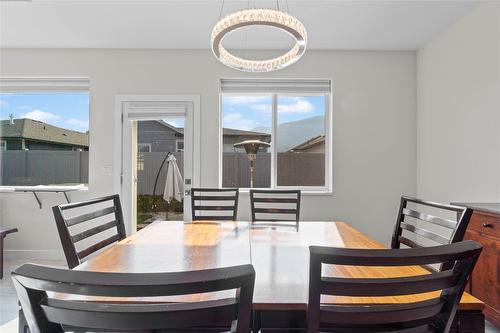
259,17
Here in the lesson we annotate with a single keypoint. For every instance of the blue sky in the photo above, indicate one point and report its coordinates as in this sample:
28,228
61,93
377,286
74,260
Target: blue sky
66,110
250,112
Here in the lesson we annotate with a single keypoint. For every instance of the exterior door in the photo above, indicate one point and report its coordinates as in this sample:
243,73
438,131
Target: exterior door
153,129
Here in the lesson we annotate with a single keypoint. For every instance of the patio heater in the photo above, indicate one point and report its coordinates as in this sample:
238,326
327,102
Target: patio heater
251,148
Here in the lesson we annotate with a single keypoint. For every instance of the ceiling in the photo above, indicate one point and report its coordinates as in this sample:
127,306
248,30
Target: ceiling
340,25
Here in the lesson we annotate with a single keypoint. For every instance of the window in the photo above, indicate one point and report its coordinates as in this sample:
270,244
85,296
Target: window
179,146
289,120
144,147
44,130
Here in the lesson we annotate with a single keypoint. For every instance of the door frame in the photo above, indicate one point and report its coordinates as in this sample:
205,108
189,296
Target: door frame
192,104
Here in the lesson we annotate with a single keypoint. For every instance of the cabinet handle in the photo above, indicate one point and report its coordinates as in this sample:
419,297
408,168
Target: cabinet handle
487,225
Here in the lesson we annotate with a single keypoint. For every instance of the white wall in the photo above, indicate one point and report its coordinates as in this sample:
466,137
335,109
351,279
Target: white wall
458,143
374,115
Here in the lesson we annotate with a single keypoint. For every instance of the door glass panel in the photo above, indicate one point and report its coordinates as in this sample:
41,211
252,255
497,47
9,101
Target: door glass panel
156,139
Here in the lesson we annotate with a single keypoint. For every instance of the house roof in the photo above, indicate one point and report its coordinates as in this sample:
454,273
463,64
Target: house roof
237,132
40,131
309,143
226,131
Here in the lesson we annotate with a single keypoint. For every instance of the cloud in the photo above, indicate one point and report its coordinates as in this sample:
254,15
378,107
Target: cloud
40,115
261,107
77,123
295,105
239,100
286,105
3,104
237,121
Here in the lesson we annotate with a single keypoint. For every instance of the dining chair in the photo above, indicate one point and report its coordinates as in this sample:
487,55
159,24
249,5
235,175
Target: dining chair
275,207
3,234
220,204
46,311
96,227
434,314
414,227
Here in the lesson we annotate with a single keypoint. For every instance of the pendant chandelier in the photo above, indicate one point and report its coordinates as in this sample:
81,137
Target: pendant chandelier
259,17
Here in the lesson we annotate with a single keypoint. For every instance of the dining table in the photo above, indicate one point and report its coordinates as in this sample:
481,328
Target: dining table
280,256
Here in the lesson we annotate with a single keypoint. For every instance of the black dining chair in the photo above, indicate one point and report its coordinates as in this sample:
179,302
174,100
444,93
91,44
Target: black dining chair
215,204
432,315
91,225
413,225
275,207
47,312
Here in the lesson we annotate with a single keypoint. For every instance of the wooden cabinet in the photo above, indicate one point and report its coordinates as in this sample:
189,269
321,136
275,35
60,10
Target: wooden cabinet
484,227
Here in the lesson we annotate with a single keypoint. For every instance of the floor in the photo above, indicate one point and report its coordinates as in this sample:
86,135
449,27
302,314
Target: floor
8,299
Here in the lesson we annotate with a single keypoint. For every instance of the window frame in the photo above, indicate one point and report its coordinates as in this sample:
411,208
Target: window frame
177,149
143,145
51,85
319,190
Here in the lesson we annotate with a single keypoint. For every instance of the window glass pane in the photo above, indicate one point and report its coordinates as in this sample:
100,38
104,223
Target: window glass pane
45,138
246,118
300,141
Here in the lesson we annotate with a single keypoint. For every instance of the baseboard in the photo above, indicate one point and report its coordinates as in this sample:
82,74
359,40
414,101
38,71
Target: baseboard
34,254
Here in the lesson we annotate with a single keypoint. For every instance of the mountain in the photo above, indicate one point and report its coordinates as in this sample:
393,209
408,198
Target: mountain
294,133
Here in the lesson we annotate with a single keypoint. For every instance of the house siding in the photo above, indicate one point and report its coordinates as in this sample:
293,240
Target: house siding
161,138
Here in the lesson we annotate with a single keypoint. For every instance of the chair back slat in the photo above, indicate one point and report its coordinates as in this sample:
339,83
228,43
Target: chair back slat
83,227
425,233
372,317
437,312
415,228
430,218
224,201
89,216
93,231
36,286
409,242
388,286
275,207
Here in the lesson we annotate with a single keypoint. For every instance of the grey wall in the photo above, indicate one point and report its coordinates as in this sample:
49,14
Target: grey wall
161,138
374,132
459,110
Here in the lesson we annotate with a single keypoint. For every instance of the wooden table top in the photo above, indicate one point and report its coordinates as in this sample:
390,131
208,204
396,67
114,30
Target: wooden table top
280,257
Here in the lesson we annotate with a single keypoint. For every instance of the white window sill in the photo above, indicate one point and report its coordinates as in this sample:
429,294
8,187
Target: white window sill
44,188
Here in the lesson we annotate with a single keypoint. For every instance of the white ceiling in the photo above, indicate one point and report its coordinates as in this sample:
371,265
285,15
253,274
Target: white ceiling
341,25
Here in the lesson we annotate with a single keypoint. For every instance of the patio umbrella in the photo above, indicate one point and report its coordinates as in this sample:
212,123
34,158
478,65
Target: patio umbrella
174,184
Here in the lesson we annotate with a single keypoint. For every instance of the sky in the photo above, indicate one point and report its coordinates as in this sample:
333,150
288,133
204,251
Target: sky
254,112
66,110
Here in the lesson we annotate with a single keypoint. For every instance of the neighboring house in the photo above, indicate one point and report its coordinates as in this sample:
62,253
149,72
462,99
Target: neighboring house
158,136
313,145
29,134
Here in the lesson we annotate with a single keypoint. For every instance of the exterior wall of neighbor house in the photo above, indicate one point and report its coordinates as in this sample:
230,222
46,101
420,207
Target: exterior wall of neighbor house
317,148
14,143
39,145
161,138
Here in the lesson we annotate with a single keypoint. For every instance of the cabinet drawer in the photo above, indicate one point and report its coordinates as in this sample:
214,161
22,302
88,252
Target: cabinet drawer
485,223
